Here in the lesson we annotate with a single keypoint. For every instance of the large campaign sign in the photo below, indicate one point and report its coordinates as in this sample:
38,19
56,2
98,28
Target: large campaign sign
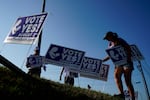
92,68
63,56
119,57
26,29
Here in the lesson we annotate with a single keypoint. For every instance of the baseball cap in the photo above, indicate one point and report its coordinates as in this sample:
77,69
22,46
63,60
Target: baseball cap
108,34
36,49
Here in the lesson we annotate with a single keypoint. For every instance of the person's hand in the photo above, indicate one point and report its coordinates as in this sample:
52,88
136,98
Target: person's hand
103,60
28,65
60,78
44,68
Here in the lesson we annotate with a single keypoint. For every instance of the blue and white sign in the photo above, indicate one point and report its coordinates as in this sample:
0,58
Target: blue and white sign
34,61
90,67
119,57
104,69
26,29
63,56
136,54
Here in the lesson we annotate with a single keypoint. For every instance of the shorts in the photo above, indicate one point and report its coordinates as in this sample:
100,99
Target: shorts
126,66
35,72
69,80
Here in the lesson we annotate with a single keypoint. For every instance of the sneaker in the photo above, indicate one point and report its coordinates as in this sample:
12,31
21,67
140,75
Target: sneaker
119,95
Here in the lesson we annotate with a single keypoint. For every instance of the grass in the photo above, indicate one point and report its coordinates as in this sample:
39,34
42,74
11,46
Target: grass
24,86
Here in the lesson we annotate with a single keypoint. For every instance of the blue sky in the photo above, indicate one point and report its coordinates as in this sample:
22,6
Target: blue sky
81,24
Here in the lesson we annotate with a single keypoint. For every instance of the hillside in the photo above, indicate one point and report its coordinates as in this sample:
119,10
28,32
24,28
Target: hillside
15,85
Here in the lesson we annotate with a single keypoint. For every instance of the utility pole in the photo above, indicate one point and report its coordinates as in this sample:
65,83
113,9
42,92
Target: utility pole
40,36
145,85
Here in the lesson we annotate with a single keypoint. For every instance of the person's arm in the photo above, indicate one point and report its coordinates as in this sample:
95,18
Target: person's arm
27,63
128,50
61,73
105,59
44,67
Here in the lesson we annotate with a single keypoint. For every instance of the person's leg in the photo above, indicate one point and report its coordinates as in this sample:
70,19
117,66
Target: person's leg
127,76
66,80
37,72
29,72
117,75
71,81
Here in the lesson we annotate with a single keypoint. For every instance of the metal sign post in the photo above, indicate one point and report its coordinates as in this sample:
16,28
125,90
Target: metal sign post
40,36
145,85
